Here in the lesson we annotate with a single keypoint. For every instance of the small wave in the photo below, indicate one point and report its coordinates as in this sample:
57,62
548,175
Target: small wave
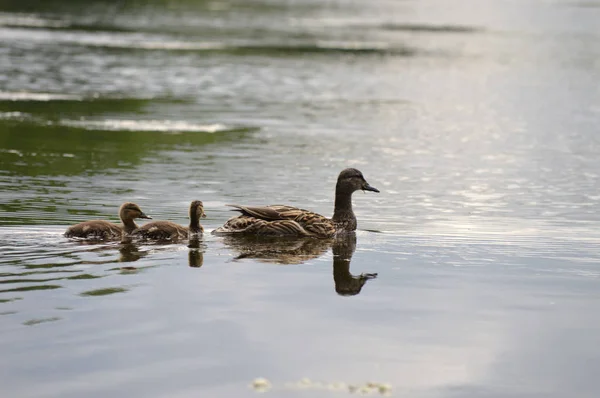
151,42
14,115
29,21
135,43
146,125
180,45
29,96
321,47
431,28
352,45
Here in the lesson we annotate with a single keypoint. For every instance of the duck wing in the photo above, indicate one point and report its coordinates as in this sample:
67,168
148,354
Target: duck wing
256,226
269,213
94,229
269,220
161,230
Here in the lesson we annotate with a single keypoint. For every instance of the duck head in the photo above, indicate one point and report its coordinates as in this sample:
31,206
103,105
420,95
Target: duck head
197,210
129,211
351,180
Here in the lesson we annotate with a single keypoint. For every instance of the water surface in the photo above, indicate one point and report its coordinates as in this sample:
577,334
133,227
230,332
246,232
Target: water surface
476,120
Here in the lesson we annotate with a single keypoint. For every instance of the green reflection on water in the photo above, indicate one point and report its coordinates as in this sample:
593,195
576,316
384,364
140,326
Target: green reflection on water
57,109
28,288
85,276
41,153
37,321
43,266
111,7
10,299
8,274
34,149
104,292
25,280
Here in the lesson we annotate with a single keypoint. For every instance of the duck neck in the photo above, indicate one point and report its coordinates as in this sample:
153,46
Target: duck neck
195,221
129,225
195,225
343,216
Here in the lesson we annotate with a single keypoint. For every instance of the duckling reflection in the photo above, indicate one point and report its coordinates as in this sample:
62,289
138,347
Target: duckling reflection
196,253
280,250
130,253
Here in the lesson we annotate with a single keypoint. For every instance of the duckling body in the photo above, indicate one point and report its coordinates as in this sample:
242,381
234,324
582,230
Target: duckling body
95,229
167,230
105,230
161,230
282,220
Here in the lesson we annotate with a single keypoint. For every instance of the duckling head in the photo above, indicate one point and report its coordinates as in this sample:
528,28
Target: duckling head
129,211
351,180
197,210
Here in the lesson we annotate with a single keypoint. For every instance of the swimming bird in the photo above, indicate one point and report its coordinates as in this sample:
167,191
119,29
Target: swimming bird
167,230
105,230
279,220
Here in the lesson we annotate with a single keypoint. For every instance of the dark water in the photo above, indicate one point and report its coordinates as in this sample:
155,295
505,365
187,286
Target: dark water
477,120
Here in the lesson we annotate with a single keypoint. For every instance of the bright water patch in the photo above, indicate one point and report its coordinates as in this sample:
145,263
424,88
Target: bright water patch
145,125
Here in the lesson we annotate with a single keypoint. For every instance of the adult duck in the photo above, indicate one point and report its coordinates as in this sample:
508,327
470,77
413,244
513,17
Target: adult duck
167,230
105,230
281,220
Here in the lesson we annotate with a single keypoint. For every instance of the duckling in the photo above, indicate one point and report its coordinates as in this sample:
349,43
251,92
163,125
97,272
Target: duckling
104,230
167,230
279,220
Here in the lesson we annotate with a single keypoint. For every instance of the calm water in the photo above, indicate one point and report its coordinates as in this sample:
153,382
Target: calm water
477,120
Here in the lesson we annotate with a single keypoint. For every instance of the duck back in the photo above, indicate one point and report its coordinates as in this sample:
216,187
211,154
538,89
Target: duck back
95,229
161,230
278,220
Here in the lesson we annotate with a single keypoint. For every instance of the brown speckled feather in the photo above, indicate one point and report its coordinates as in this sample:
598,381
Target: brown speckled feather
161,230
278,220
167,230
95,229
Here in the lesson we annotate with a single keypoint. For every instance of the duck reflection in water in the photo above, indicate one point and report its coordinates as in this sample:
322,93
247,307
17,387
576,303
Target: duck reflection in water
196,253
288,250
347,284
130,252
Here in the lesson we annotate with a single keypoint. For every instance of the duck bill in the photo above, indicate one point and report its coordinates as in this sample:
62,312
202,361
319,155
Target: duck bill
144,215
367,187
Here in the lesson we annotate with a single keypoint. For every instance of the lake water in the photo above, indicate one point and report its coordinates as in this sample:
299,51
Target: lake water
477,120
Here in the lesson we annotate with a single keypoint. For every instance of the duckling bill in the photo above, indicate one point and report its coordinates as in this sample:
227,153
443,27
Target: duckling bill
105,230
280,220
167,230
